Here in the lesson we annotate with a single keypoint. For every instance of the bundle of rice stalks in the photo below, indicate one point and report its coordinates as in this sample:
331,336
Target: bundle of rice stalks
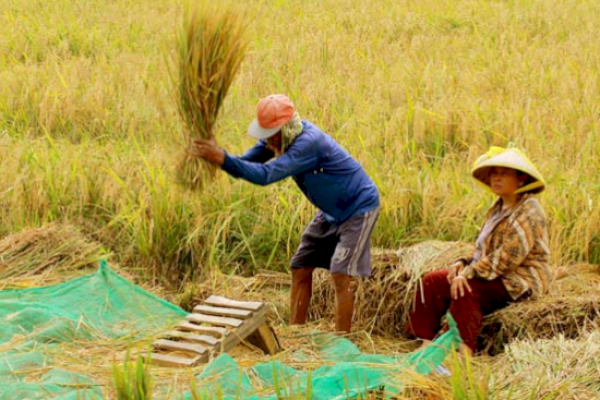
557,368
383,301
211,46
53,249
571,307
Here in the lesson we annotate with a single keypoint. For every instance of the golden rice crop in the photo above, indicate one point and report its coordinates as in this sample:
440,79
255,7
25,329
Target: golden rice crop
211,46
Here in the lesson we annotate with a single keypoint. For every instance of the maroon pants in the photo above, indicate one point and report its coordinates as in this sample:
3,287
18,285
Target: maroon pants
433,302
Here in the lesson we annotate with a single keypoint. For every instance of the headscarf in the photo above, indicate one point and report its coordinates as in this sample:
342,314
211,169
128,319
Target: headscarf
289,132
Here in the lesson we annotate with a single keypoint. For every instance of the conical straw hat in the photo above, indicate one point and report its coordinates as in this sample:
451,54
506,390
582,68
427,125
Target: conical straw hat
508,158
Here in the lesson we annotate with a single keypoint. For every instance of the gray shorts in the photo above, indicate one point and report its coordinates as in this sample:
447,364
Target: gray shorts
343,249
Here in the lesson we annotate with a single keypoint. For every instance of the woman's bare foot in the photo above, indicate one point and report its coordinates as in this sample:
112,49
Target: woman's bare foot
465,351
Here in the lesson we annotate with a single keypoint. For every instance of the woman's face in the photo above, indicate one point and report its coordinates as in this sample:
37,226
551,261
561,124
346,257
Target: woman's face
505,181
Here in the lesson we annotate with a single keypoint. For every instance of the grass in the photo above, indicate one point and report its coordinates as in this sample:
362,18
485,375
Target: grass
416,91
132,380
89,125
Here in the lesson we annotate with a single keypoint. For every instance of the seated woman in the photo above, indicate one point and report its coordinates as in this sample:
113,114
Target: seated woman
511,260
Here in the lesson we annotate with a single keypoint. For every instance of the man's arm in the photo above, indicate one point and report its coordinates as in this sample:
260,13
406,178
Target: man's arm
302,156
211,152
259,153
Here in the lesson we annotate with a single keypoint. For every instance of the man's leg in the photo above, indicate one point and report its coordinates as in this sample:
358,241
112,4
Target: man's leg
352,257
300,294
315,250
344,302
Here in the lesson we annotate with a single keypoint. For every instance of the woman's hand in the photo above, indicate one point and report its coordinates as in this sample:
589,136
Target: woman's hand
453,271
209,150
459,283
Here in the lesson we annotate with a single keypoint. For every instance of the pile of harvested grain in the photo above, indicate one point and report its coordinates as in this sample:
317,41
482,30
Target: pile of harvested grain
383,301
557,368
571,307
55,249
211,47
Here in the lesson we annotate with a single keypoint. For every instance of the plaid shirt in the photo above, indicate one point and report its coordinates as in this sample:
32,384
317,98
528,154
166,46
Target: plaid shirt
516,250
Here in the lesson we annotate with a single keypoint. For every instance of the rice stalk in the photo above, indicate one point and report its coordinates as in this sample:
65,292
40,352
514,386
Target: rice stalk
571,307
52,248
132,381
383,301
557,368
211,47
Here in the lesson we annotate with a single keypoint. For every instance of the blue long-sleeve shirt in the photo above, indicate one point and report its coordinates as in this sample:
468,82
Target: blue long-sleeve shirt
331,179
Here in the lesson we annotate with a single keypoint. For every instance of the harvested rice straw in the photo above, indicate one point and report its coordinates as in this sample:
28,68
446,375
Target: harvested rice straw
558,368
54,248
211,46
384,300
571,307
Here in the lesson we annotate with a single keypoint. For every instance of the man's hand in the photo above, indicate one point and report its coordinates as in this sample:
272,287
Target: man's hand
208,150
453,271
458,287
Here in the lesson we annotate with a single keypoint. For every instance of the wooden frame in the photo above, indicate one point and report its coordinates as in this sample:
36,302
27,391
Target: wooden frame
214,327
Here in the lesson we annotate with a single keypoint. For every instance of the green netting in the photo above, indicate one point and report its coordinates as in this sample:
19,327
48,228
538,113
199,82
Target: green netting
104,306
346,372
56,384
98,306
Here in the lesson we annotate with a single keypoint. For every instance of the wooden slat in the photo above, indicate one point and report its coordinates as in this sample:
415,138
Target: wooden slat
210,330
239,334
225,302
265,339
166,360
211,319
191,337
223,311
172,345
213,329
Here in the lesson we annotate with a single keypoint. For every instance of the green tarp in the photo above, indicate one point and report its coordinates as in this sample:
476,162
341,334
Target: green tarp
99,306
346,373
104,305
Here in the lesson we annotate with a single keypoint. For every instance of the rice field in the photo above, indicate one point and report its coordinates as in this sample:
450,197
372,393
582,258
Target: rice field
91,136
89,129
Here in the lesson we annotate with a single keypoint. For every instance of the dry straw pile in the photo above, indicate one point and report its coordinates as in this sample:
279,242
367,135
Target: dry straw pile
384,301
572,307
558,368
46,253
211,46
